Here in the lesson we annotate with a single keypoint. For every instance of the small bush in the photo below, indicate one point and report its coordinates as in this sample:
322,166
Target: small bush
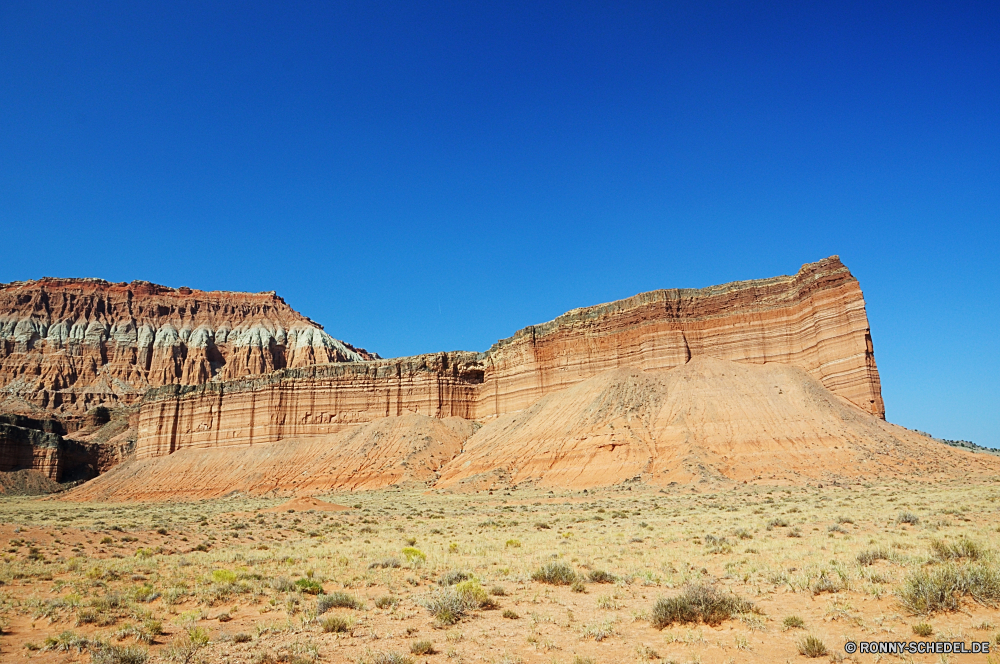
598,576
385,563
413,555
335,624
908,518
386,601
422,648
963,548
793,622
698,603
242,637
282,584
810,646
474,595
923,629
554,573
498,591
577,586
387,658
777,523
339,600
446,606
120,655
453,577
940,589
309,586
510,614
870,556
223,576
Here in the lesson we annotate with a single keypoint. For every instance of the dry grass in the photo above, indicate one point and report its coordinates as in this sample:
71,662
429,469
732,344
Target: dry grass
674,570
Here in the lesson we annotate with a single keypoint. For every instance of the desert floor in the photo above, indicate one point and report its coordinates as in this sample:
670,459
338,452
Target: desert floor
257,580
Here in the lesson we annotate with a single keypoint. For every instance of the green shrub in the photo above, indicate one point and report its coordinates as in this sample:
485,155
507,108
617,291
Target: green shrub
923,629
510,614
309,586
337,599
810,646
555,573
577,586
223,576
698,603
414,555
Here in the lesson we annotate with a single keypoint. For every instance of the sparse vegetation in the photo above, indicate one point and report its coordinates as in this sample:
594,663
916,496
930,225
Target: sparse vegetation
555,573
594,575
811,646
698,603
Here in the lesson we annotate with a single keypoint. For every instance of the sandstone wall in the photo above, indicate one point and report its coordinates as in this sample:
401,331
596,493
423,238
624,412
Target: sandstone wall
814,320
68,345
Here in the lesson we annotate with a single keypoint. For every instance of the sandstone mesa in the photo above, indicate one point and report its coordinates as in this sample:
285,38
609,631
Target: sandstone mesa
209,393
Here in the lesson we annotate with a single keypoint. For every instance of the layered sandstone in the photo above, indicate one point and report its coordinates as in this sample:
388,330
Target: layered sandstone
67,345
814,320
708,421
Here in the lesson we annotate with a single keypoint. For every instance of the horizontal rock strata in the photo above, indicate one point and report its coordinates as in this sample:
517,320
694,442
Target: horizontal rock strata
68,345
705,422
814,320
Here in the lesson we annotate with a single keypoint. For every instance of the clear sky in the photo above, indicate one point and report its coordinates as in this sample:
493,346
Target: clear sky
430,176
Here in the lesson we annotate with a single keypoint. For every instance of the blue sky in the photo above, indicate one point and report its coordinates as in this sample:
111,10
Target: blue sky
433,176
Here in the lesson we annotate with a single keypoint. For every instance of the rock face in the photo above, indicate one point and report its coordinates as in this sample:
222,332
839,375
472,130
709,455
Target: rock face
814,320
67,345
708,421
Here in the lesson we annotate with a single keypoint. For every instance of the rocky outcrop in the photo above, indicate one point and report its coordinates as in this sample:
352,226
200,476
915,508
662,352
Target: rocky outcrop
814,320
67,345
707,423
39,445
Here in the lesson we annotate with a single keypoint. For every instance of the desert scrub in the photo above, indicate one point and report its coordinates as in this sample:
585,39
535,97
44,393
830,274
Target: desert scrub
385,563
386,601
309,586
940,589
110,654
871,555
698,603
448,605
337,599
908,518
510,614
386,658
413,555
793,622
599,576
811,646
554,573
923,629
452,577
964,548
335,624
422,648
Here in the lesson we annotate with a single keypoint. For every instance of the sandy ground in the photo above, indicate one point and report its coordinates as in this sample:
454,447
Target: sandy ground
226,569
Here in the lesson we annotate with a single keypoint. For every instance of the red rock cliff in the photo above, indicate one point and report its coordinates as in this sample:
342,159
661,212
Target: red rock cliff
814,320
70,344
